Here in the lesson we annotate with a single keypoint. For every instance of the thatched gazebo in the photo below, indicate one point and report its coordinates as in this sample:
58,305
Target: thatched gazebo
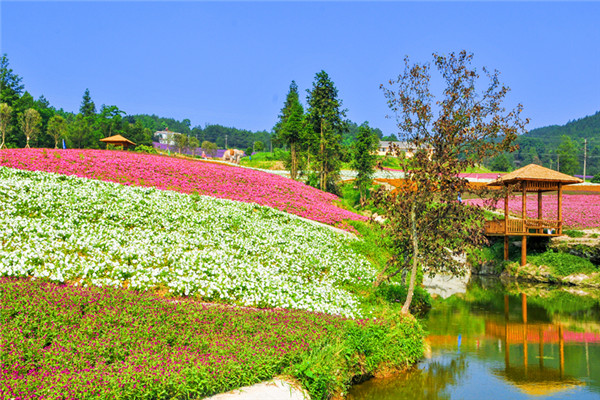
118,140
531,178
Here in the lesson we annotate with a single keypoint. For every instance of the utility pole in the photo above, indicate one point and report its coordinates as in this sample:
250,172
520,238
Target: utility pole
558,162
584,156
226,142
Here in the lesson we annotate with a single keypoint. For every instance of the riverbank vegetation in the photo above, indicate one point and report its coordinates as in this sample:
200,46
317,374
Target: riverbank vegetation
112,343
110,283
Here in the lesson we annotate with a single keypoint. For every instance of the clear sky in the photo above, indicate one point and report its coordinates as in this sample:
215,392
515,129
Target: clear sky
231,63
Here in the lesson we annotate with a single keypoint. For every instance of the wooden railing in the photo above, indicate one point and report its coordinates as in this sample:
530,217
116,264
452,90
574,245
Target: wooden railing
517,226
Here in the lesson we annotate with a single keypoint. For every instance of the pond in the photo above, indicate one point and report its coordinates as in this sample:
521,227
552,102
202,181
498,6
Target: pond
500,341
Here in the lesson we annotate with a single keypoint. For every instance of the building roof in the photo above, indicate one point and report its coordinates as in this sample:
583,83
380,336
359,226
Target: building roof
534,172
117,139
385,143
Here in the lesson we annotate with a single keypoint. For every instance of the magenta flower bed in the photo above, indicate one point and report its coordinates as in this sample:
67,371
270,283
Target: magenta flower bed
185,176
579,211
65,342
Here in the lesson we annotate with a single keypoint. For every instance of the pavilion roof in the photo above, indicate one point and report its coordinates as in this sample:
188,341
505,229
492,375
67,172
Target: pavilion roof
537,173
118,139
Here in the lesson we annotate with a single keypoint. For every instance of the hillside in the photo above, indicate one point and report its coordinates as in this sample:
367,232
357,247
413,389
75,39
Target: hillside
586,127
557,147
105,234
186,176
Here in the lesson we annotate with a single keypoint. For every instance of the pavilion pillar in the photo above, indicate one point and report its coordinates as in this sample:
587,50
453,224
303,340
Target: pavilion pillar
506,341
541,230
506,227
541,351
561,351
525,345
560,208
524,225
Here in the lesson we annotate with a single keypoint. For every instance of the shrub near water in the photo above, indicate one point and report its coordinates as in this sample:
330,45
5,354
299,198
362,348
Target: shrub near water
106,343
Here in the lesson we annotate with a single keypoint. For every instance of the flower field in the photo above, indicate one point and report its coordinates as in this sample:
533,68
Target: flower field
185,176
89,232
66,342
579,211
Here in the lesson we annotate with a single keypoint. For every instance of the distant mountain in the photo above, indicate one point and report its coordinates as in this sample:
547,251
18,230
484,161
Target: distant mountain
559,147
586,127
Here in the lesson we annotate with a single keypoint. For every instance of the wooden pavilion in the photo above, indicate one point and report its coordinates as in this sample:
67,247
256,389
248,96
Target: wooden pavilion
118,140
531,178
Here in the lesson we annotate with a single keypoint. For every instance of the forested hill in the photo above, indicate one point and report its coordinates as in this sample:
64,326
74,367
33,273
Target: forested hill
586,127
560,147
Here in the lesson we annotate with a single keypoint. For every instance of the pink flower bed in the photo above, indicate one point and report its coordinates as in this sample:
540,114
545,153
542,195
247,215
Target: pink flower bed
579,211
185,176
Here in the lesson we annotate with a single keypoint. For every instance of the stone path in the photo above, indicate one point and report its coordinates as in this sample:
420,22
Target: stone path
276,389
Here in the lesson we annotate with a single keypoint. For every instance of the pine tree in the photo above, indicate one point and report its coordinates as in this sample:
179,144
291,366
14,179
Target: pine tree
10,83
324,116
291,125
364,158
88,108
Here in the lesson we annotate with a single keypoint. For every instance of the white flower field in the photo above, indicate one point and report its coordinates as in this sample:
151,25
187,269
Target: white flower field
71,229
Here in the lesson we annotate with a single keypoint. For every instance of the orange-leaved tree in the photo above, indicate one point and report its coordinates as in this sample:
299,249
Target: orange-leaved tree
427,222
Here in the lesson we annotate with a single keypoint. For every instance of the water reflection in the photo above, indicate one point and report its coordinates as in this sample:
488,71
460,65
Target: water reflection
497,341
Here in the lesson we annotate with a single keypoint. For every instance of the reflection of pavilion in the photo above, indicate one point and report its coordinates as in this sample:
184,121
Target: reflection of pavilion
538,379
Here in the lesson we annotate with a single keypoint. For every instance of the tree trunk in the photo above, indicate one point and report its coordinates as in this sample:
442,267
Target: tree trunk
322,158
27,145
2,144
413,272
294,166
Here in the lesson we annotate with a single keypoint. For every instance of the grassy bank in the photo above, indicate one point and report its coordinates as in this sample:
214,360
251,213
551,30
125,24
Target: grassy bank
109,283
62,341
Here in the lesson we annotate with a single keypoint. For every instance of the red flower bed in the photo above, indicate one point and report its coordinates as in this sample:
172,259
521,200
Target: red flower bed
185,176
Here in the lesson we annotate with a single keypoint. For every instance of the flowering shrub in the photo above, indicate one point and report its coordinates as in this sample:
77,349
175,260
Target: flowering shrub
70,229
77,343
185,176
579,211
67,342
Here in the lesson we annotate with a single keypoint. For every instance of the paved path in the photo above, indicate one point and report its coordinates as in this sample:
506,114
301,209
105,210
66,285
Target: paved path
275,389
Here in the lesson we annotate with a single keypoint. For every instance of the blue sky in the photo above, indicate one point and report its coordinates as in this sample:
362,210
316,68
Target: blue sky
232,62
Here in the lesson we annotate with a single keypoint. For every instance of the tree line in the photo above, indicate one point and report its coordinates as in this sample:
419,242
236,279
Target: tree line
26,122
562,148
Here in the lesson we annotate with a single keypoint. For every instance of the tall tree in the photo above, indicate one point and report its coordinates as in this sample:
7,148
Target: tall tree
57,128
209,148
291,126
181,141
426,221
5,119
364,156
88,108
30,122
10,83
567,154
325,116
193,143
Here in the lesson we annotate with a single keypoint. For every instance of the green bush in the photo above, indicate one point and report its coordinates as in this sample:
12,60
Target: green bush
145,149
596,178
563,264
573,233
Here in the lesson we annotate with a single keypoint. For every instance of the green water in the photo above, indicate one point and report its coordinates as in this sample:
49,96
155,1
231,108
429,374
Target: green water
504,342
